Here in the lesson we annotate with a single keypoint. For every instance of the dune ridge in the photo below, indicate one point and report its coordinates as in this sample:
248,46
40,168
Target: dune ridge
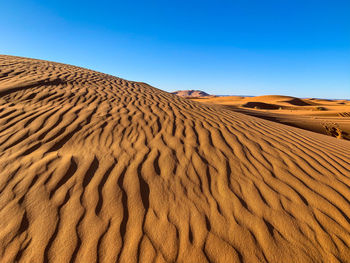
94,168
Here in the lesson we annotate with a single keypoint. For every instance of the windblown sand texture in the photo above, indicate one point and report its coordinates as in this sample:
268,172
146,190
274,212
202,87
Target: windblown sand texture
330,117
94,168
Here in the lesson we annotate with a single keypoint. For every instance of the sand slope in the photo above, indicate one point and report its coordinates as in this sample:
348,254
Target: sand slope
94,168
330,117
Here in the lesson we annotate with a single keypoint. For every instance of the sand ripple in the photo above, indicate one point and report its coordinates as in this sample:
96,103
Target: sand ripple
94,168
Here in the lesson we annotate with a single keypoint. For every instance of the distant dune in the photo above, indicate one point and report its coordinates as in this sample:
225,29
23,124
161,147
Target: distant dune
94,168
330,117
190,93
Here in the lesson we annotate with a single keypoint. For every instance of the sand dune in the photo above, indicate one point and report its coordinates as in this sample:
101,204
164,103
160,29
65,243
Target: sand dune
94,168
330,117
278,99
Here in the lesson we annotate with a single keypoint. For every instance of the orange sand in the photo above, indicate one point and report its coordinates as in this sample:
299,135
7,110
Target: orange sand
330,117
94,168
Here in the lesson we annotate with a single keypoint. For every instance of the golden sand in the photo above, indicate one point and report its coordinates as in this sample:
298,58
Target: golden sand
94,168
330,117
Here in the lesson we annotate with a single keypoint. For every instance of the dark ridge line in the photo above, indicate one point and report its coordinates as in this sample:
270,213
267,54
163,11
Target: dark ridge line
100,186
90,172
36,84
79,241
58,145
124,221
32,149
144,191
24,224
70,172
20,252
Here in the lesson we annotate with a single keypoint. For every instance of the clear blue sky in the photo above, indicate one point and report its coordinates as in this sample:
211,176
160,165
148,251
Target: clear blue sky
291,47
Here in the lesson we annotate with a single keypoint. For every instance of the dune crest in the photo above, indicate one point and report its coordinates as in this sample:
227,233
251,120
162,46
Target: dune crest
94,168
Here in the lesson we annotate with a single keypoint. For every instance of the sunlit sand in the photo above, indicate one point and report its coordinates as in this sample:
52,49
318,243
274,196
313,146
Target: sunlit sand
94,168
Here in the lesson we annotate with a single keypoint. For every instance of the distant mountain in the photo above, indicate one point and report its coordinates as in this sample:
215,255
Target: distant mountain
191,93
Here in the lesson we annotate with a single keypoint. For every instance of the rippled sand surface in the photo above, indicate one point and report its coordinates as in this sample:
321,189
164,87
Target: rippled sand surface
94,168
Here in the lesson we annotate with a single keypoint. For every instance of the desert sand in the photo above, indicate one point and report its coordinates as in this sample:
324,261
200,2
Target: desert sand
94,168
330,117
